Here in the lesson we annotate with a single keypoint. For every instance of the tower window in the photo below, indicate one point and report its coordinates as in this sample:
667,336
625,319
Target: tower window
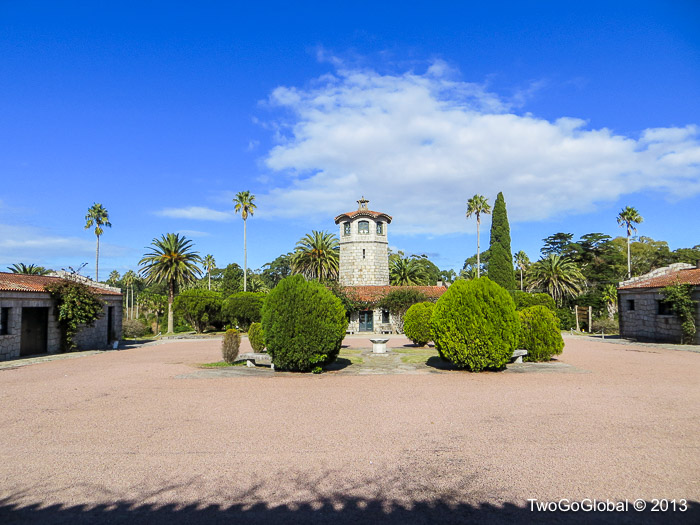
363,253
346,228
363,227
380,228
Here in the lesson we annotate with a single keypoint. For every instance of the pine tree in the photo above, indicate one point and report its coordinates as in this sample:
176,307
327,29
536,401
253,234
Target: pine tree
500,263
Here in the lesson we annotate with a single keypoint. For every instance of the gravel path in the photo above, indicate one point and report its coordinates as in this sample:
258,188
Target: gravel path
138,436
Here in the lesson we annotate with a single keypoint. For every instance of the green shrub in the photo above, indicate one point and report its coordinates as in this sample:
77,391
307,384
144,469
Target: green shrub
606,326
567,319
416,323
539,334
198,307
243,308
76,306
524,300
256,336
133,328
304,324
399,300
474,325
230,345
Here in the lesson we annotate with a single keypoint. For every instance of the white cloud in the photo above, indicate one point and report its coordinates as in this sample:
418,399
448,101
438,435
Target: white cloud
418,146
194,233
197,213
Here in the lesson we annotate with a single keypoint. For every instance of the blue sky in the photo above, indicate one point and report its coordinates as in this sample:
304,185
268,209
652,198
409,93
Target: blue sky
163,111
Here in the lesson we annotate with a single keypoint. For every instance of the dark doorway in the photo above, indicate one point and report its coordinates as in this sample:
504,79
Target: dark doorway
110,324
35,329
367,321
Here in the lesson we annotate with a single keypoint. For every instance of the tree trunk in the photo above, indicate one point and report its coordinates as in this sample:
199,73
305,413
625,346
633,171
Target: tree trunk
245,257
629,262
521,278
209,280
478,250
171,297
97,261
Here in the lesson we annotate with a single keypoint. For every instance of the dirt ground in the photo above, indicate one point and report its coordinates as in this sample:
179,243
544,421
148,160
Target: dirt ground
145,436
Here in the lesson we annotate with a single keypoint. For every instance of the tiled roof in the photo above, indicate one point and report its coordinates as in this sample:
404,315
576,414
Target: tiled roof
363,213
17,282
687,276
376,293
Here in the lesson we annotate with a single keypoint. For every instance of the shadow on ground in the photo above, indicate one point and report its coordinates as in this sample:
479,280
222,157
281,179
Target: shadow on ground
337,511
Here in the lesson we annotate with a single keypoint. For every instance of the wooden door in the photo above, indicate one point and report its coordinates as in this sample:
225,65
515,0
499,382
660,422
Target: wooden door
367,321
35,329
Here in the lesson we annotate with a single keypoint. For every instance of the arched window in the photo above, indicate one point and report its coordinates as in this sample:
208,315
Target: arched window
346,228
363,227
380,228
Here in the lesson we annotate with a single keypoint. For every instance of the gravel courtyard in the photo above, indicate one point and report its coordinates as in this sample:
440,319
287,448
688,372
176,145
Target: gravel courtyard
145,436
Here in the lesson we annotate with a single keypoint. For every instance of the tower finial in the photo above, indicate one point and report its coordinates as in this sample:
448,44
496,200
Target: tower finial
363,203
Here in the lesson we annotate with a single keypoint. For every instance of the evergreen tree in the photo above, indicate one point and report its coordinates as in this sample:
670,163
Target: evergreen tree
501,258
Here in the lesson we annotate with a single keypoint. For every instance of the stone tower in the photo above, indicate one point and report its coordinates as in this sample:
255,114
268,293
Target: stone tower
364,247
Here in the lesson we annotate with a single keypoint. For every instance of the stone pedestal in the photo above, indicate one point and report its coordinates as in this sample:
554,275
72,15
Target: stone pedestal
379,346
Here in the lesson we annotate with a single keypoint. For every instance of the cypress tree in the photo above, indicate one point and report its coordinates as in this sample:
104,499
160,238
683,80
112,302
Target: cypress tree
501,260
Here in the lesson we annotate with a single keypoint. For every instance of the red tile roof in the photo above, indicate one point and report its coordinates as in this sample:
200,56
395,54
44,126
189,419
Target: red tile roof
17,282
373,294
363,213
689,276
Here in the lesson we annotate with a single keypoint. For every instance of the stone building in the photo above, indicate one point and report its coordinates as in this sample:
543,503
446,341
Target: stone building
28,323
364,267
643,314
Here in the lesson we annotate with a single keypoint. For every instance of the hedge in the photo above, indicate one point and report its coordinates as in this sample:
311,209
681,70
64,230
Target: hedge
539,334
416,323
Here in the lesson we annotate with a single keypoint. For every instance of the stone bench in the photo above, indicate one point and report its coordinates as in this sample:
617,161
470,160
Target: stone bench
251,358
378,345
518,355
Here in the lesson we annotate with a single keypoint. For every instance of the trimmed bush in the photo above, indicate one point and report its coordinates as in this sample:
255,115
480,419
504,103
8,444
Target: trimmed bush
416,323
539,334
230,345
243,308
256,336
304,325
133,328
198,307
524,300
474,325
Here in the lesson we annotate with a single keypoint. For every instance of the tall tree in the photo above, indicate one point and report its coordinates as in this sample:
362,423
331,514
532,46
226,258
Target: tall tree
97,216
171,260
27,269
406,271
556,276
477,205
113,278
316,256
209,265
245,204
557,244
522,261
629,217
501,259
128,280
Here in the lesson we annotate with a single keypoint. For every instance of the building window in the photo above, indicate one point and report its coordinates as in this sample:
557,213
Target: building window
346,228
4,321
363,253
380,228
663,308
363,227
385,316
630,304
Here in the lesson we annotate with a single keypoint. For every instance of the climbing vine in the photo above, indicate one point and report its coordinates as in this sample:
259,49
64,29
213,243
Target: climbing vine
76,305
679,298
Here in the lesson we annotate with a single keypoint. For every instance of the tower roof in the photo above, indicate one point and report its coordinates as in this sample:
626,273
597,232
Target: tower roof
363,211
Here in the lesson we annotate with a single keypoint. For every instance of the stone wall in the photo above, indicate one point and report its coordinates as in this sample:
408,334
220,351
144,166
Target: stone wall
643,322
88,338
364,257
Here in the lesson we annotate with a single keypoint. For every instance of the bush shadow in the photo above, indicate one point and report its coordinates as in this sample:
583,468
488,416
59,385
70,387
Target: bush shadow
339,364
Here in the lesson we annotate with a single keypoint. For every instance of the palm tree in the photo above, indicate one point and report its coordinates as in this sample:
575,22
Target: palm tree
209,264
477,205
113,278
128,280
245,204
610,298
406,272
98,217
556,276
28,269
629,216
316,256
171,260
522,261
